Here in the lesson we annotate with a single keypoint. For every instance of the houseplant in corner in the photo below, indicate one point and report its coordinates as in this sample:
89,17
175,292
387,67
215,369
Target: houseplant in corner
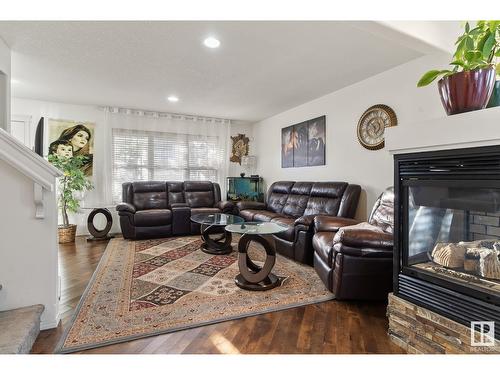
72,181
469,84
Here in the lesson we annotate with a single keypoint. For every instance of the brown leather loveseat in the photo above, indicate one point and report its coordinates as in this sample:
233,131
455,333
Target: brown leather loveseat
160,208
355,259
295,204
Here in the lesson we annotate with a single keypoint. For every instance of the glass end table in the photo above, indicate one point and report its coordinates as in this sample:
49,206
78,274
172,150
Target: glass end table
252,276
213,224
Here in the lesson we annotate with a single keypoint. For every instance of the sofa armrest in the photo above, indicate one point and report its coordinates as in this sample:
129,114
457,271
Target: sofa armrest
246,205
181,218
305,222
364,252
225,206
125,208
364,235
324,223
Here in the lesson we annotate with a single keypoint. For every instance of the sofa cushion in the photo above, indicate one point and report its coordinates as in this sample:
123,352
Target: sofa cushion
382,214
149,195
151,218
248,214
364,235
289,222
263,215
323,246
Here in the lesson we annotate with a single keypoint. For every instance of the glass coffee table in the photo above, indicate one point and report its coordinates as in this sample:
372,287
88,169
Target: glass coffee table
252,276
213,224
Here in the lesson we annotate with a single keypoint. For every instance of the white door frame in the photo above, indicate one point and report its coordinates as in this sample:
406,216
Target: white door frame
26,120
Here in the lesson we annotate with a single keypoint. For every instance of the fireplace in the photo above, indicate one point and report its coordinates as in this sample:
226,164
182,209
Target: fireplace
447,236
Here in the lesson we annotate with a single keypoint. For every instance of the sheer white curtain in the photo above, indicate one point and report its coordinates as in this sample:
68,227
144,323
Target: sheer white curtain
140,145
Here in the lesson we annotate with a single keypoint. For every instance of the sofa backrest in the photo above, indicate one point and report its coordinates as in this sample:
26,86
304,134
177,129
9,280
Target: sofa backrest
313,198
146,195
325,198
296,202
382,214
199,194
278,195
175,191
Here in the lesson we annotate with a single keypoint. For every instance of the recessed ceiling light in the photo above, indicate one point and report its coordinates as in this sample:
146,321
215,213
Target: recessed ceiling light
173,99
211,42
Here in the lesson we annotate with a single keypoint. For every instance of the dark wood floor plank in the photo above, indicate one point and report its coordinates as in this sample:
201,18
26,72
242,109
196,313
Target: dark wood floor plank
328,327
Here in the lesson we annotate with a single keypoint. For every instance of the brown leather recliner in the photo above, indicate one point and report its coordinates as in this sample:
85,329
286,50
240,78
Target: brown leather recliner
354,259
295,204
153,209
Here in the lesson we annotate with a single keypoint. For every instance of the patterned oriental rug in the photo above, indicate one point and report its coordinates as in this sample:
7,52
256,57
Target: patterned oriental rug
146,288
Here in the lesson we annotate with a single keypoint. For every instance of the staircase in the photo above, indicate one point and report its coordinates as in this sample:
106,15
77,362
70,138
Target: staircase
29,277
19,329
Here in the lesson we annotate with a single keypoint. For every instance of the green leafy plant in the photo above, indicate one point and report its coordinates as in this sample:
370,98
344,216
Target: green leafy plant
73,180
477,48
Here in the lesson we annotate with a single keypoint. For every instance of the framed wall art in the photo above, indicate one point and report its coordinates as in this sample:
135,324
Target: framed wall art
71,138
303,144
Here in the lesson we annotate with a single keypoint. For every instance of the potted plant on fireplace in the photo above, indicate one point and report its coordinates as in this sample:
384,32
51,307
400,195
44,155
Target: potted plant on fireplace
469,84
72,182
495,95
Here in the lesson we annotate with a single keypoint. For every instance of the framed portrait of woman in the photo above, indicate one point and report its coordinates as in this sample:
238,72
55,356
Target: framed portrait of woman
72,138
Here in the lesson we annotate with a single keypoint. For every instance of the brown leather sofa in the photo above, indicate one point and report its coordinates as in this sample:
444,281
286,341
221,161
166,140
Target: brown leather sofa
295,204
354,259
153,209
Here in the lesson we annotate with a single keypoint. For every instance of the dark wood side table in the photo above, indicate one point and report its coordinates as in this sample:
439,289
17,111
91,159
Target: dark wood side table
99,234
252,276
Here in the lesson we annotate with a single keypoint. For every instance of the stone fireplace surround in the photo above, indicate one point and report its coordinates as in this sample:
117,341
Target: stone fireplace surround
412,325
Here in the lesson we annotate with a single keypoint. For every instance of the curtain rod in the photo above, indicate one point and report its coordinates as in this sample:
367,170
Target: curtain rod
176,116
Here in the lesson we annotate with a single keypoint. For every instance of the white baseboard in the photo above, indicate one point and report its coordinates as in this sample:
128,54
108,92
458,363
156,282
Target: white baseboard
49,324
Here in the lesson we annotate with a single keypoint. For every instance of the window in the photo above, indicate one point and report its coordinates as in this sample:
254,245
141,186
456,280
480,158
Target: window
143,155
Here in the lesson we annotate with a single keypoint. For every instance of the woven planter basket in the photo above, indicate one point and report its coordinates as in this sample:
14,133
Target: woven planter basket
67,234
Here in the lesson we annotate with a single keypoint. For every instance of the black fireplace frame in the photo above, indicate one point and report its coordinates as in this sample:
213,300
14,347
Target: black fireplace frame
478,166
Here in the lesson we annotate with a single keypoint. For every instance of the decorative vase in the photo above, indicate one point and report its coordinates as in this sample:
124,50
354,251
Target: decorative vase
242,174
66,234
495,96
466,91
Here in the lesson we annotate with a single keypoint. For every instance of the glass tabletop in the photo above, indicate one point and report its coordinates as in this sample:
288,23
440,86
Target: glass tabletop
216,219
96,206
256,228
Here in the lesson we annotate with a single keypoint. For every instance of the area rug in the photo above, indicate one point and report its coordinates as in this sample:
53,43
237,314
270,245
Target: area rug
151,287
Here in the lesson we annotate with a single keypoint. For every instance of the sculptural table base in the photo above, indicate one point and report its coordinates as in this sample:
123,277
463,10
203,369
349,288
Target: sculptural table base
219,245
252,276
96,234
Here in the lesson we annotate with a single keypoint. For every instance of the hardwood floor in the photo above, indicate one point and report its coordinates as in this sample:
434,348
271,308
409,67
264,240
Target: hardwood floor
328,327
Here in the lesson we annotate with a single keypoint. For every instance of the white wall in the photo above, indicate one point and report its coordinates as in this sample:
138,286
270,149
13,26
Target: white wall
346,159
4,85
28,247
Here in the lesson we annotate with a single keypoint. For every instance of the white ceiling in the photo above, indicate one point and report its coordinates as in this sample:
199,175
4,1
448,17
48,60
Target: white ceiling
261,68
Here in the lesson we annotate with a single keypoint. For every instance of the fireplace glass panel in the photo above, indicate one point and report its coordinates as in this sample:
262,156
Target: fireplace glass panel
453,233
